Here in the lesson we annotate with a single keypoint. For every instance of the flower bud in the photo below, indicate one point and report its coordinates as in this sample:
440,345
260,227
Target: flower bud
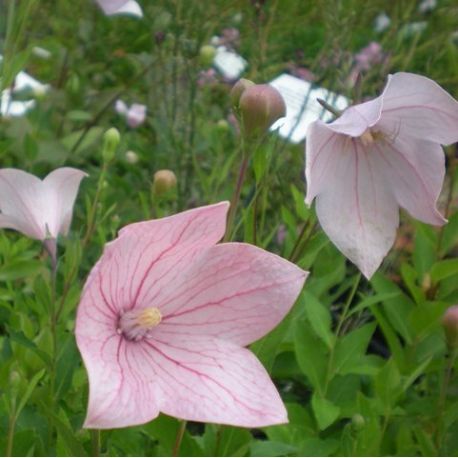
260,106
450,324
237,90
111,140
206,55
131,157
15,380
357,422
164,181
222,126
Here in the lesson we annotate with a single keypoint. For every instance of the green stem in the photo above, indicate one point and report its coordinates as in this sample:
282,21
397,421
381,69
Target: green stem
179,438
11,428
236,195
448,370
340,323
95,440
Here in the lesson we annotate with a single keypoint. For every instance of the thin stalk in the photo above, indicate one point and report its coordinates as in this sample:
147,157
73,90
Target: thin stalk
340,323
95,441
448,370
11,428
179,438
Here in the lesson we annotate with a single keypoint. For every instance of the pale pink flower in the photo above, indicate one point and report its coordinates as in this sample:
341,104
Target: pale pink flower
40,209
112,7
164,317
135,114
376,157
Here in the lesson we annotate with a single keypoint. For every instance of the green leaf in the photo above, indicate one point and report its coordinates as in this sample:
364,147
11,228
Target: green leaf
311,354
326,413
444,269
28,392
351,348
388,384
270,448
319,318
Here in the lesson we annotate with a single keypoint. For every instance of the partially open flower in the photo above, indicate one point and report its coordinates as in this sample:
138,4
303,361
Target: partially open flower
40,209
164,318
376,157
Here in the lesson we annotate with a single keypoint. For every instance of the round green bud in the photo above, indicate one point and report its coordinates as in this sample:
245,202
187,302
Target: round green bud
111,140
260,106
223,126
357,422
131,157
206,55
237,90
163,181
450,325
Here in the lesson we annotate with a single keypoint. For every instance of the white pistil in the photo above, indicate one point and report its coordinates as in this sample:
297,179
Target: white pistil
135,324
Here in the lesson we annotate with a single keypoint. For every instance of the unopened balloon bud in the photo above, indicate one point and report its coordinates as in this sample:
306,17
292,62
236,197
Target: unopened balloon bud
237,90
260,106
111,141
450,324
206,55
131,157
163,182
223,126
357,422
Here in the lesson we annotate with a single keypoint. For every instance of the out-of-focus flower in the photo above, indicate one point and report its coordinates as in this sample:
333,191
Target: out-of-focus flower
40,209
131,157
113,7
207,77
302,73
413,28
135,114
376,157
382,22
164,317
365,59
426,6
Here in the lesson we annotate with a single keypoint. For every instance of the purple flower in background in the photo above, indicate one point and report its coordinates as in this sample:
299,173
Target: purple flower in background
376,157
135,114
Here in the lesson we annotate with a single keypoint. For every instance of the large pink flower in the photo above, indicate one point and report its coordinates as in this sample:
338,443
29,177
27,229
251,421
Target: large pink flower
376,157
40,209
164,317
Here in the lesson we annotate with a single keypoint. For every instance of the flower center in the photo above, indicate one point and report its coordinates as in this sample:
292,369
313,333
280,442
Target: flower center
370,136
136,324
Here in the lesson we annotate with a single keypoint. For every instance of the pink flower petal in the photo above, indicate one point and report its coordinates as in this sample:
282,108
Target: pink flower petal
122,384
357,119
415,170
211,380
416,106
357,210
234,291
21,207
62,184
147,258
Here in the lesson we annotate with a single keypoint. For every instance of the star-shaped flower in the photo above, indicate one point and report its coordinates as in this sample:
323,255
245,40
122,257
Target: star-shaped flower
165,315
376,157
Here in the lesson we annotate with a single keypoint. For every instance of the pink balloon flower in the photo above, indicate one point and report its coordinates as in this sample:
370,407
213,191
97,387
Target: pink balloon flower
376,157
164,317
40,209
112,7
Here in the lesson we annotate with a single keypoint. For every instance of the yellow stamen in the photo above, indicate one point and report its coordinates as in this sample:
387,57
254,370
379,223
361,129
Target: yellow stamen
149,317
367,138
